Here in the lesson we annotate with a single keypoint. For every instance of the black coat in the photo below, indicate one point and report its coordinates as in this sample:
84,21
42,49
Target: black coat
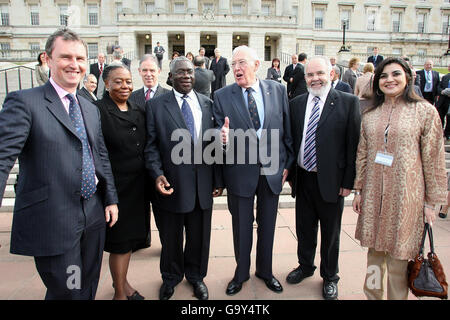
220,69
125,136
138,96
288,73
423,81
299,83
84,93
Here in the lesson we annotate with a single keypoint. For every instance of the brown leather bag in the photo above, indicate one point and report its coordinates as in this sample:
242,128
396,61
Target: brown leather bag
426,277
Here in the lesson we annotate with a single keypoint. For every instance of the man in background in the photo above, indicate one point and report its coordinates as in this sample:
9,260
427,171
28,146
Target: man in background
203,77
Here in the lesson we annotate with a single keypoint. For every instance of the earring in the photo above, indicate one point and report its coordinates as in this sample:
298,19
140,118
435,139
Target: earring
379,94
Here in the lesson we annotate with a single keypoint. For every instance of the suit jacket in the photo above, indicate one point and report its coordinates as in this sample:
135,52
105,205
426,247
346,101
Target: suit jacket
372,59
48,206
190,181
299,84
350,77
242,179
344,87
444,100
273,74
94,69
126,62
138,97
423,81
288,73
337,137
203,80
220,69
85,94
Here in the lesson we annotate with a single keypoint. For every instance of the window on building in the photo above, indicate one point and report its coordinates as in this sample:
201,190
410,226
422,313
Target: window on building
35,48
319,50
371,20
294,11
178,7
397,51
149,7
345,18
445,23
93,14
421,53
4,12
63,15
119,7
5,49
208,6
236,8
34,14
265,9
92,50
421,22
396,21
318,18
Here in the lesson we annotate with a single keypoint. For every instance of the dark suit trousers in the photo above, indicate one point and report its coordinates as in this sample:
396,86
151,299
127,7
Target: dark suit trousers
192,262
310,208
74,275
429,97
241,209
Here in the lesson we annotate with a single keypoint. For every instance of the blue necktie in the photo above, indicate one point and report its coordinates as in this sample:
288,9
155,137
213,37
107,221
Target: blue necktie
88,186
309,151
253,109
428,81
188,117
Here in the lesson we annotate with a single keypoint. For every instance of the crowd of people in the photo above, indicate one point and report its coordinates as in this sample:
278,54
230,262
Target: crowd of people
110,148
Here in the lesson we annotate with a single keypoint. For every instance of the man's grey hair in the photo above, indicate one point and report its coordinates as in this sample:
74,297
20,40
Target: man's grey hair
337,70
174,62
86,78
251,53
324,59
199,61
150,57
117,55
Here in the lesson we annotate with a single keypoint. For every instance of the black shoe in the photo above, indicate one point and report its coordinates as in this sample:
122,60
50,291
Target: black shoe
272,283
135,296
233,287
297,276
442,215
200,290
165,292
330,290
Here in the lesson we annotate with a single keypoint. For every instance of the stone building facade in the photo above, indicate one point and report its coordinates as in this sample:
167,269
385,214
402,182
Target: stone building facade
275,28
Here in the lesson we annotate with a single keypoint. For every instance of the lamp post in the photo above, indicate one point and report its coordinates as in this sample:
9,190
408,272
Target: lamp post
344,47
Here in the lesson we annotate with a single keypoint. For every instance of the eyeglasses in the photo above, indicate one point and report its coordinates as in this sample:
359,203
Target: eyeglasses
240,63
181,72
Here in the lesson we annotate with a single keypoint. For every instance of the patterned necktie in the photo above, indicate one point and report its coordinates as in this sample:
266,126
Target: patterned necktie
88,186
188,117
252,108
101,68
147,95
309,151
428,81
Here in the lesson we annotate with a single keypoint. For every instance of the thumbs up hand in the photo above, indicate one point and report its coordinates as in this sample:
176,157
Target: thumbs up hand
225,130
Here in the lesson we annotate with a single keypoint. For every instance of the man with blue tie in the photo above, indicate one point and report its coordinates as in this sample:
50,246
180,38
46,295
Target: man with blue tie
259,109
375,58
325,128
65,191
429,81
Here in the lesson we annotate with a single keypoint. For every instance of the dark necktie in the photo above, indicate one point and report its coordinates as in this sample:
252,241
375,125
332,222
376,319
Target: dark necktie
253,109
332,83
188,117
147,95
309,151
101,68
88,186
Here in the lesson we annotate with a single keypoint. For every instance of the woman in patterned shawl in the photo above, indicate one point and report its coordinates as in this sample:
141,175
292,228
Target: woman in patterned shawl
400,177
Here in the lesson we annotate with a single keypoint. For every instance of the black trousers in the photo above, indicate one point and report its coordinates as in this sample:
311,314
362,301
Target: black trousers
74,275
310,208
242,209
192,260
429,97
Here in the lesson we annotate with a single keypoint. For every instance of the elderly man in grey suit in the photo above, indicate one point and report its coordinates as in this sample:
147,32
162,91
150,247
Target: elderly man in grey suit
65,191
149,71
203,77
257,109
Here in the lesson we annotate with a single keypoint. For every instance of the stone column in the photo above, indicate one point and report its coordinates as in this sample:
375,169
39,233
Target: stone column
127,40
192,6
307,16
287,7
257,41
224,7
255,7
163,40
160,6
225,44
192,42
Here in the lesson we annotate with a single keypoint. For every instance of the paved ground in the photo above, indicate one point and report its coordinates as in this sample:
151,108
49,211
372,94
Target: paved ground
19,279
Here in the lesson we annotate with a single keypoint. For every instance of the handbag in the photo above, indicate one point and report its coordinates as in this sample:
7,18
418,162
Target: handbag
426,277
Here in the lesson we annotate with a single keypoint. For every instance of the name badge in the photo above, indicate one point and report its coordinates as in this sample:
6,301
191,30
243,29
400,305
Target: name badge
384,158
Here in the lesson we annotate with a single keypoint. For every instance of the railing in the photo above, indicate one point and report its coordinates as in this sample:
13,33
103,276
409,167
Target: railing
19,55
16,78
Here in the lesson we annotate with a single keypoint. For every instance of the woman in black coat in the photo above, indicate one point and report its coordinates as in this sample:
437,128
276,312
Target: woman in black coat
124,130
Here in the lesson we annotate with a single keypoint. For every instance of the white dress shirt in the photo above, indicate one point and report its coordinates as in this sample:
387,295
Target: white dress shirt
192,100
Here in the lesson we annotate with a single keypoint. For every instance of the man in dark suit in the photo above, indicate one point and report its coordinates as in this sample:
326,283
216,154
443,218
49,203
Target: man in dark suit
299,83
429,81
444,101
65,178
89,86
289,72
203,77
124,60
375,58
259,160
149,72
97,68
159,53
338,84
201,53
185,188
220,67
325,127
